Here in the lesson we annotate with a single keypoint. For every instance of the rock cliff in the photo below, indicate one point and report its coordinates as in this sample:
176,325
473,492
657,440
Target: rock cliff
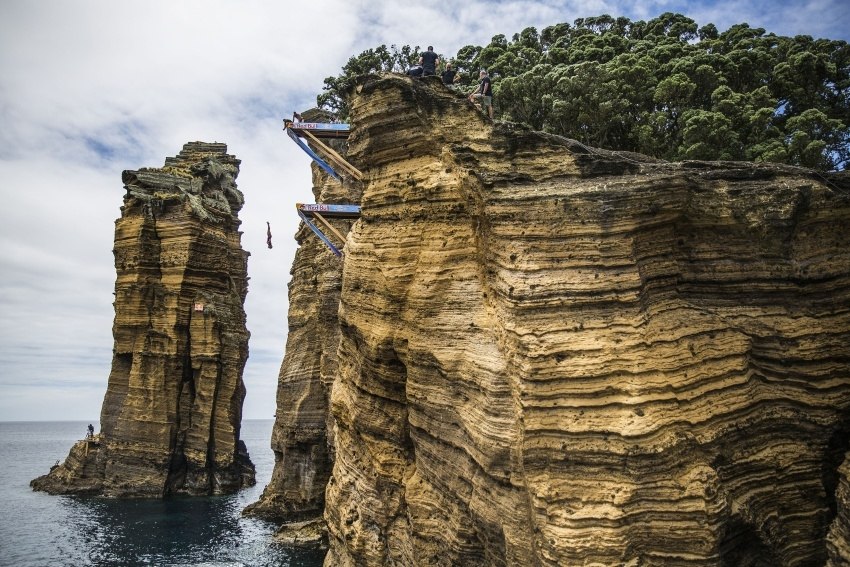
302,437
838,540
548,354
172,411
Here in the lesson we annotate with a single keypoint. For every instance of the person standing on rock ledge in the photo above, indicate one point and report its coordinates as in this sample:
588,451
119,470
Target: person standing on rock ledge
429,61
483,95
90,434
449,75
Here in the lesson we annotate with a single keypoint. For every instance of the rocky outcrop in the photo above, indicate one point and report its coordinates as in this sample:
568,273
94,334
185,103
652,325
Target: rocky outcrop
555,355
548,354
172,411
302,435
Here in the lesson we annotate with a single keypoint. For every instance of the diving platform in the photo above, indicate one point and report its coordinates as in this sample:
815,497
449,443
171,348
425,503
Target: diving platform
309,135
320,129
317,214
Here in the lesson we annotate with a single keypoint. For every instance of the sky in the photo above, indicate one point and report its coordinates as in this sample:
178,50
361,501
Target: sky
89,88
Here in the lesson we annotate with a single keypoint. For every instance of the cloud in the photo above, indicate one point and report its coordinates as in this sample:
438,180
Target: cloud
92,87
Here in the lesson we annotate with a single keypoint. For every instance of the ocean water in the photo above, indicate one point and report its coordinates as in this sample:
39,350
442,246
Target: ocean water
39,530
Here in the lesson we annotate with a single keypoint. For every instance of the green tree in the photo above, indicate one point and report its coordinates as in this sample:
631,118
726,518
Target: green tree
665,87
817,141
377,60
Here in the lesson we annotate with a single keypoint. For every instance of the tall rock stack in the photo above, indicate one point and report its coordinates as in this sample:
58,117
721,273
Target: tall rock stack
555,355
171,416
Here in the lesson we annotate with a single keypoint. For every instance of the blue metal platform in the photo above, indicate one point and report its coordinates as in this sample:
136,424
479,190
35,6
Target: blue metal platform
319,211
320,129
314,132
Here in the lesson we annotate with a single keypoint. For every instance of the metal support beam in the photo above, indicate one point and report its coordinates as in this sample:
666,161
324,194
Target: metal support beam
329,226
333,156
320,234
309,151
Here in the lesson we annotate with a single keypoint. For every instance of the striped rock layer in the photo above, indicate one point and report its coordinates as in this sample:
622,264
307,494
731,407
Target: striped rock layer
838,540
554,355
172,411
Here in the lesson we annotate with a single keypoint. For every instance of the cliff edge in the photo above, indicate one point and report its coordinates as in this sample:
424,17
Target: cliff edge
549,354
171,415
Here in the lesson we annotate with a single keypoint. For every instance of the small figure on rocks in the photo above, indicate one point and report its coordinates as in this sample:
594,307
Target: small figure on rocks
429,61
90,434
483,95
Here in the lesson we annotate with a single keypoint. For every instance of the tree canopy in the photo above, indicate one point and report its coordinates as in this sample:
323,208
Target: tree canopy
664,87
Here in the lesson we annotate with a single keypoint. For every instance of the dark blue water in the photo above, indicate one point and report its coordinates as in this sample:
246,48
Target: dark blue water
39,530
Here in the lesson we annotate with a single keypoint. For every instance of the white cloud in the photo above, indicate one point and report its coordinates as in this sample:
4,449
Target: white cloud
92,87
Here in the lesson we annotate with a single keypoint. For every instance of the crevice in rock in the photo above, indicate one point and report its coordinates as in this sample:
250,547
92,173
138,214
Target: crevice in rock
741,546
836,451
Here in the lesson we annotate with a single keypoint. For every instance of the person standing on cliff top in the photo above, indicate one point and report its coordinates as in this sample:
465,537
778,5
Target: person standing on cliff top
449,75
429,61
483,95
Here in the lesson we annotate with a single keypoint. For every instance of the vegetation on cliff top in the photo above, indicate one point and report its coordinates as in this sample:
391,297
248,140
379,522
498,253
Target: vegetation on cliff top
664,87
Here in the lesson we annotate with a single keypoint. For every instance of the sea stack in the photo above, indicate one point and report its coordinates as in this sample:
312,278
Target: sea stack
172,411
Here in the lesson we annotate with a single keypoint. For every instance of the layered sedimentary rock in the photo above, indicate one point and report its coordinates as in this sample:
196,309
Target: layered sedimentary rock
302,437
172,411
550,354
838,541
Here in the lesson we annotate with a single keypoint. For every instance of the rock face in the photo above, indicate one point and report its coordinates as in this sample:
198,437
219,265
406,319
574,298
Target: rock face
171,415
554,355
838,541
303,431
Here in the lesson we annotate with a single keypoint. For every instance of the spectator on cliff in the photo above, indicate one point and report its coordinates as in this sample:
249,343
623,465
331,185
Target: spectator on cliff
429,61
449,75
483,95
90,434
